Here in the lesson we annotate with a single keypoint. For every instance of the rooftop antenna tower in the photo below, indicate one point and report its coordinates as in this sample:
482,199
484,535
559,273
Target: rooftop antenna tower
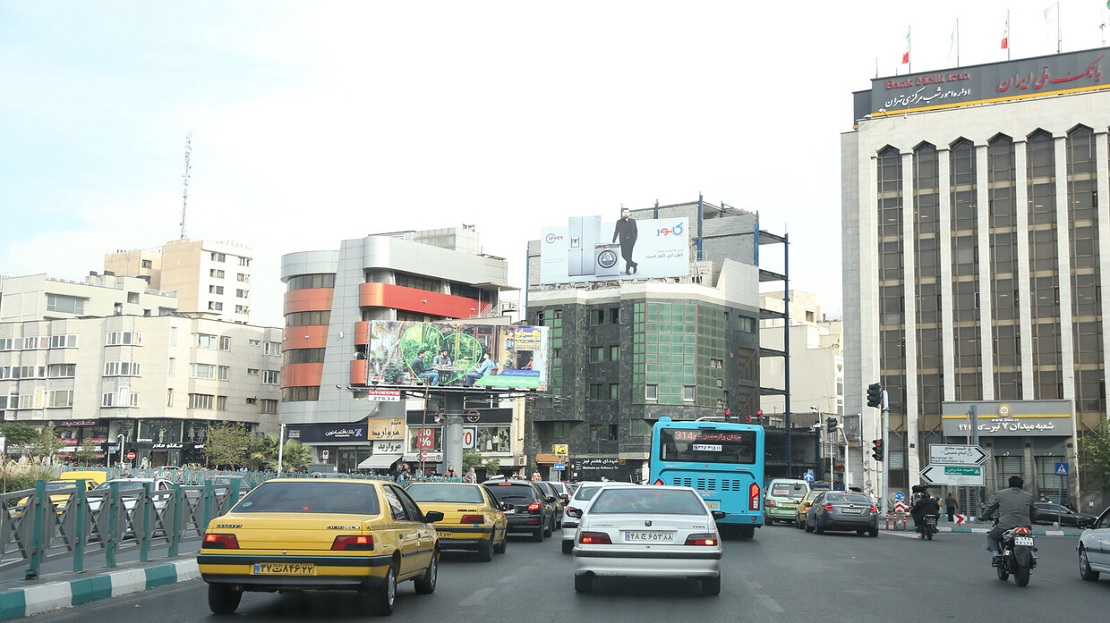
185,178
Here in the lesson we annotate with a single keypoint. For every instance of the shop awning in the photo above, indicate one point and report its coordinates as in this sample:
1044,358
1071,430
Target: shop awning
380,461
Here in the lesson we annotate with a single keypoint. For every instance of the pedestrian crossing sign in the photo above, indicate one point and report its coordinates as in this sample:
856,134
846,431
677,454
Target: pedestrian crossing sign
1061,469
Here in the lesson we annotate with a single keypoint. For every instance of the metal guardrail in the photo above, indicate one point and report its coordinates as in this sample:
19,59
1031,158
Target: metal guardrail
36,526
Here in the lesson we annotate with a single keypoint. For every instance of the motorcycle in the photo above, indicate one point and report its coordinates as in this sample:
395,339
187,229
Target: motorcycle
1018,558
928,527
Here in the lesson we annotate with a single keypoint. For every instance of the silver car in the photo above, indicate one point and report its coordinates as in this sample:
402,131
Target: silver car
1094,548
648,532
579,500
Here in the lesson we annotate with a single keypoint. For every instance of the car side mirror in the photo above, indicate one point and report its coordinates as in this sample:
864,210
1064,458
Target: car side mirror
575,512
718,515
433,516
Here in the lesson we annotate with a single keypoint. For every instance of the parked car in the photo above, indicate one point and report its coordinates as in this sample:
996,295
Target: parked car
221,484
530,509
560,500
1094,548
780,502
648,532
803,508
302,534
1048,513
130,491
473,519
842,511
579,501
62,490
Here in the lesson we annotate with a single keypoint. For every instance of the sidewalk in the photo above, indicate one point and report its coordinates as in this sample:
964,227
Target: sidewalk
65,589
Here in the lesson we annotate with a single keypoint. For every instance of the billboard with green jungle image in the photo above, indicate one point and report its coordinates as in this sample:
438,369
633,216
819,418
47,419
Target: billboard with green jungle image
518,355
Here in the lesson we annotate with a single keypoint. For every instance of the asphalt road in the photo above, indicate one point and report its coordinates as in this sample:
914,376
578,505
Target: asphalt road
783,574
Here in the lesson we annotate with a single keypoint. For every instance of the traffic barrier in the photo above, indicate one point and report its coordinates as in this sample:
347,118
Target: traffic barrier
893,519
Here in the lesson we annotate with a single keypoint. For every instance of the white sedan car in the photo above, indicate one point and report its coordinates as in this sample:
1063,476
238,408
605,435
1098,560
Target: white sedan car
648,532
579,501
1094,548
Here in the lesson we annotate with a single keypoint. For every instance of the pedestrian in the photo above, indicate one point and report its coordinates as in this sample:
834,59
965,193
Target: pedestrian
951,506
470,476
451,471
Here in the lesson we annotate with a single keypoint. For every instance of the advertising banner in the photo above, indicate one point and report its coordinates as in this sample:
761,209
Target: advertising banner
588,249
457,355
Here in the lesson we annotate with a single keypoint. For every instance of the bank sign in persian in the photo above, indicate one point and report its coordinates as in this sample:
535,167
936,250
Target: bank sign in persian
1057,74
519,354
1018,418
588,249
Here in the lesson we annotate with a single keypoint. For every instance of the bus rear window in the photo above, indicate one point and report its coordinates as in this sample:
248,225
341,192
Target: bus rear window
707,446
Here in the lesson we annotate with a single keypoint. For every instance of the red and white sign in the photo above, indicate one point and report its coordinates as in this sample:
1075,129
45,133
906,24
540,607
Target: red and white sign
899,507
423,456
130,456
425,438
960,519
384,395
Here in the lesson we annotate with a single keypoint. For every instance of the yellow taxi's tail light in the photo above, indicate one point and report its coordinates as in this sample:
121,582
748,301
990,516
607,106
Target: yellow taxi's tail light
220,541
702,538
594,538
360,542
472,519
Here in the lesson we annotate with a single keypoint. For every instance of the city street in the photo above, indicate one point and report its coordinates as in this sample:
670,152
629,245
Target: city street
784,574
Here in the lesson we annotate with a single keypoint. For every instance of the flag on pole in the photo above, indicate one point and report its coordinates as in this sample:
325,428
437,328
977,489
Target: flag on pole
906,54
1006,34
952,43
1050,21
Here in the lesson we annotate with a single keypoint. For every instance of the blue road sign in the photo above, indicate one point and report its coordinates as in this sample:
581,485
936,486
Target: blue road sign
559,467
900,496
1061,469
808,477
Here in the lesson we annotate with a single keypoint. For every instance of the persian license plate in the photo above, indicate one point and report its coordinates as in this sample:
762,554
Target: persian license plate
713,505
443,534
284,568
512,511
649,536
852,511
1026,541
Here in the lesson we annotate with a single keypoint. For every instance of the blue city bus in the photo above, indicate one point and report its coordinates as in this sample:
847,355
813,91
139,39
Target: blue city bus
723,460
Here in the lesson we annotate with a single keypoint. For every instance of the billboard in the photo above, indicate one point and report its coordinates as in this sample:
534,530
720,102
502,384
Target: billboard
587,249
517,355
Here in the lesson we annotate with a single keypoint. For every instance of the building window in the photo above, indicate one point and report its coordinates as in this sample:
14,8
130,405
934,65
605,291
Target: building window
124,338
169,397
215,289
613,431
270,377
597,316
215,306
60,398
221,403
63,341
223,373
201,401
205,340
252,400
218,274
561,429
615,315
597,391
225,341
65,304
639,428
202,371
595,432
307,282
614,391
688,393
243,278
218,257
272,348
61,370
244,261
597,353
615,353
242,294
121,368
651,392
269,407
252,371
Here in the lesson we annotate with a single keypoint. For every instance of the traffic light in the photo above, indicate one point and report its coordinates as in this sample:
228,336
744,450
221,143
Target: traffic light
877,449
728,414
875,395
759,416
831,422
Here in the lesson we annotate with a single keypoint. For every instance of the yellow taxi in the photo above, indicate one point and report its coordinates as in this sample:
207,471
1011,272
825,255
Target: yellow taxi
307,534
473,518
64,485
803,507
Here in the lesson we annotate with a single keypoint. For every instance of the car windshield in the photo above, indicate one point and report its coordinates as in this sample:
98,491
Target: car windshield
65,484
434,492
783,489
587,492
847,498
310,497
508,492
647,500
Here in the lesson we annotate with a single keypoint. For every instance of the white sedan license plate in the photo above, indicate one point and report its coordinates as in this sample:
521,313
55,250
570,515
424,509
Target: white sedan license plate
648,536
284,568
1026,541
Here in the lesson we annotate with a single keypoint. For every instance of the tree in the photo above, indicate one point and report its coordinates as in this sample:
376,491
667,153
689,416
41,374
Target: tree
86,453
46,444
228,445
1094,455
264,453
18,434
295,456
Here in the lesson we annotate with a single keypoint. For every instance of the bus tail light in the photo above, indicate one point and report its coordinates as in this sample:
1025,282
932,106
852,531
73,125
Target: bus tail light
753,497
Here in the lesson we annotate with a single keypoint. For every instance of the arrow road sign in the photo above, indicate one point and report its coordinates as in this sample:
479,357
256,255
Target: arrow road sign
953,475
956,455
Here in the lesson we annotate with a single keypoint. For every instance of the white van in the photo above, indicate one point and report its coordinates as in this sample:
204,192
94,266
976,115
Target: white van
780,502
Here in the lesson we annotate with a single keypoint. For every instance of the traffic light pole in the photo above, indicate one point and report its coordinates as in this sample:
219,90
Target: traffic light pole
886,453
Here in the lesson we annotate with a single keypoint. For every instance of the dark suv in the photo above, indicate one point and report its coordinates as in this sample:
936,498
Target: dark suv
532,510
560,501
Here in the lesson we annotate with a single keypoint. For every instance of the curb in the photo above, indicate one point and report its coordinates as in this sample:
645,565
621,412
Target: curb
1036,532
21,602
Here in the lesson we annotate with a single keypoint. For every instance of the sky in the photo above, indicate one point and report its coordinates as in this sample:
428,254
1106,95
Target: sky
316,122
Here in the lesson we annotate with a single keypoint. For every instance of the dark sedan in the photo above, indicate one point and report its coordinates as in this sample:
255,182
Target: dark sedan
1049,513
839,510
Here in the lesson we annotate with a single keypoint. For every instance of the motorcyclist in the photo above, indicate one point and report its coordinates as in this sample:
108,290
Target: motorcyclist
1012,507
925,504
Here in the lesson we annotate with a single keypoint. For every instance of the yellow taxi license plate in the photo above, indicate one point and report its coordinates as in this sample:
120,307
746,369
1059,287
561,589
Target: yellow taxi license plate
284,568
443,535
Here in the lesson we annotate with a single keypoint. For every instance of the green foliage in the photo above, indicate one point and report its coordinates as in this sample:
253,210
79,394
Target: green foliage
18,433
470,458
493,466
46,444
18,477
295,456
1094,455
86,453
229,445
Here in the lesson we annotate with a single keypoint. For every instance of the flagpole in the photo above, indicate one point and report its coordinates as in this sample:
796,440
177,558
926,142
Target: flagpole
1007,34
957,42
1059,37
